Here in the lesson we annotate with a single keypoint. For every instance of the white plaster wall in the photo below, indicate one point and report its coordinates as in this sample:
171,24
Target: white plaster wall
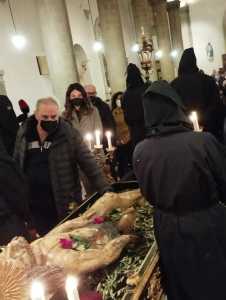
22,77
83,34
207,26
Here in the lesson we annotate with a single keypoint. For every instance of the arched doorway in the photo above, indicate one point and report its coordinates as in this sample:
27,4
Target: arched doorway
82,65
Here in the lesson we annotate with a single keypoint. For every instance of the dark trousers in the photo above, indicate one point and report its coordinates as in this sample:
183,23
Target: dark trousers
44,221
10,227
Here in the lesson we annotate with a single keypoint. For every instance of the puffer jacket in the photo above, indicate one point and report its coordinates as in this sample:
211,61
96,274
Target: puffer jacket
67,153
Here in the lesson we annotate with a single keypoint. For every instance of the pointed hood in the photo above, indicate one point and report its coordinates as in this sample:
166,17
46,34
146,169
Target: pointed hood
188,64
164,110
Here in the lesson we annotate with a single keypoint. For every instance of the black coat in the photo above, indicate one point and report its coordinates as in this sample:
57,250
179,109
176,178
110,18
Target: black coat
105,114
134,112
183,175
199,92
13,199
8,124
67,153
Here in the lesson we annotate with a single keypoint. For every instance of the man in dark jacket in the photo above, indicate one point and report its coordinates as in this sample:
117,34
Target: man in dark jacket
13,199
183,175
103,108
50,151
199,92
8,124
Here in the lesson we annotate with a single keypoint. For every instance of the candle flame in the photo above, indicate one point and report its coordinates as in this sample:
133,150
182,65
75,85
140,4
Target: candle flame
193,116
37,290
89,137
71,282
108,134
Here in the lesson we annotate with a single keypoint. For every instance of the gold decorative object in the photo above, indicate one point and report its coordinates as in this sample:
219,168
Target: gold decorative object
12,282
145,54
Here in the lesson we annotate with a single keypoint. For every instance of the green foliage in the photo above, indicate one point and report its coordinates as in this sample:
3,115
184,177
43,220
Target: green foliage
113,284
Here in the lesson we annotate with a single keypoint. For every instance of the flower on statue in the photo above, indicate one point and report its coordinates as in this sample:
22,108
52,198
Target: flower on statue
66,243
98,219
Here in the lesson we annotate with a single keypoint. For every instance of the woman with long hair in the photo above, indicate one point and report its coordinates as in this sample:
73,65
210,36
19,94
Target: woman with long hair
82,115
80,112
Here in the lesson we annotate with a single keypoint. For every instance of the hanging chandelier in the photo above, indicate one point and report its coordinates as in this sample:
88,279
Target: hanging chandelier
145,54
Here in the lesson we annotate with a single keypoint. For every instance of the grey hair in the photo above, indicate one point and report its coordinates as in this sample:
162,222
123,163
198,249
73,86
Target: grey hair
48,100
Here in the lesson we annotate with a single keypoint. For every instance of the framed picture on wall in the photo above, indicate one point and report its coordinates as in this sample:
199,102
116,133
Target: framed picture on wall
42,65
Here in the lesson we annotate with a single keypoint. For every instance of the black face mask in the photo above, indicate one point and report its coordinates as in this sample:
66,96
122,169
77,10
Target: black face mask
49,126
93,99
77,102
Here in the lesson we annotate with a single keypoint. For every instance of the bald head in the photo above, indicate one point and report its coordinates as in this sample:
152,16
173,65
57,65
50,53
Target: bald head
91,90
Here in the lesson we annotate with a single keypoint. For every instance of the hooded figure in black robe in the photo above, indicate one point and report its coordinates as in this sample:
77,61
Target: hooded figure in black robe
8,124
200,93
182,173
132,103
14,211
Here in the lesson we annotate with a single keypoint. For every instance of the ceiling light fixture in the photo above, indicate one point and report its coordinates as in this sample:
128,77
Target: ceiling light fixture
18,40
135,48
158,54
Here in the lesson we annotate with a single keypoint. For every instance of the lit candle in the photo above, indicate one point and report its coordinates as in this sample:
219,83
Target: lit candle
37,291
89,139
97,135
194,119
109,135
142,30
72,288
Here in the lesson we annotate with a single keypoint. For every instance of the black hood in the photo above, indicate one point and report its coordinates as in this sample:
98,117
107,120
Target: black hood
188,63
163,110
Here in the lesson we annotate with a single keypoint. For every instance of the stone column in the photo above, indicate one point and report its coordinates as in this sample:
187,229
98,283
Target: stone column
113,43
163,34
186,27
58,45
175,29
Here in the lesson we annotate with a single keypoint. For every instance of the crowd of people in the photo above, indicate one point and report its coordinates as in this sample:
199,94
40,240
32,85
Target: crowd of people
45,164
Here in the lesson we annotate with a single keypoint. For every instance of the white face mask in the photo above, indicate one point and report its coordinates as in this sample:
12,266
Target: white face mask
118,103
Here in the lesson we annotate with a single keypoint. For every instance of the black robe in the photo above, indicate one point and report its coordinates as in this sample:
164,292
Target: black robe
183,175
14,210
134,113
8,124
199,92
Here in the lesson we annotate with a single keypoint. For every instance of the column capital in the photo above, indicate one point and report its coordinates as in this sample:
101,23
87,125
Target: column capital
184,8
173,4
157,2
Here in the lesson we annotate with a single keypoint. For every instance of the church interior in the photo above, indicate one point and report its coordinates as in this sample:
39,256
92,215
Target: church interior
112,149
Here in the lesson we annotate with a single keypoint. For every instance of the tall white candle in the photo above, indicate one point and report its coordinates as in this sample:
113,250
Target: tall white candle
37,291
109,135
194,119
89,139
97,135
71,288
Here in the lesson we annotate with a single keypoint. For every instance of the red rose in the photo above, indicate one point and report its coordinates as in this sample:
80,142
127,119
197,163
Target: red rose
66,243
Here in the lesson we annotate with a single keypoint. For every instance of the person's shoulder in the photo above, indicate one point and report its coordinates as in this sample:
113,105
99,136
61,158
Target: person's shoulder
68,130
201,138
141,147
